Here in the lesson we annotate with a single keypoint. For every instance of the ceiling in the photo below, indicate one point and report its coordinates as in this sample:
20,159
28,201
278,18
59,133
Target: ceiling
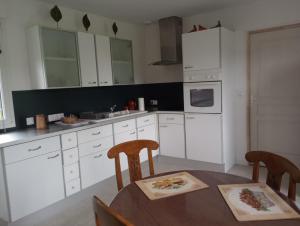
145,11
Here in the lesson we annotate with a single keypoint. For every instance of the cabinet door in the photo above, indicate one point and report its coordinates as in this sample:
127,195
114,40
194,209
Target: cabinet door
147,133
34,184
201,50
121,61
171,139
87,59
103,60
121,138
204,137
60,58
95,168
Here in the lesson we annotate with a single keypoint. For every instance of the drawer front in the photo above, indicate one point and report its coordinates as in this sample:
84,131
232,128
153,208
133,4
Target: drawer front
171,118
94,133
72,187
70,156
31,149
145,121
127,125
94,146
71,172
68,141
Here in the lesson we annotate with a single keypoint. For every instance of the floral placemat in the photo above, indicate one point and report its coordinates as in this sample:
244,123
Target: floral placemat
256,201
170,185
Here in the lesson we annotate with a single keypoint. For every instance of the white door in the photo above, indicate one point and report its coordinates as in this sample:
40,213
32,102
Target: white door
95,168
103,60
147,133
121,138
87,59
204,137
275,93
34,184
171,140
201,50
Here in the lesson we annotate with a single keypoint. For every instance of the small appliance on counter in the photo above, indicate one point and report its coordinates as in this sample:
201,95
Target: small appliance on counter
141,104
72,121
132,105
153,105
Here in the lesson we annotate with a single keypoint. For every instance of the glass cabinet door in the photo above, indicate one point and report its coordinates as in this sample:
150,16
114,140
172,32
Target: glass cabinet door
121,60
60,58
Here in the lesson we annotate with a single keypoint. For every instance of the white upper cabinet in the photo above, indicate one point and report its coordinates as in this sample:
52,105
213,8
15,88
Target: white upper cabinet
53,58
103,60
87,59
201,50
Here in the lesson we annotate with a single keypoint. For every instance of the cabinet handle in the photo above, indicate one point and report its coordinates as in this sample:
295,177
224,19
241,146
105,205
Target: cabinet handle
190,117
73,187
132,133
105,82
125,126
35,149
97,146
94,134
92,82
53,157
70,139
170,118
147,120
163,126
142,130
98,156
187,67
70,156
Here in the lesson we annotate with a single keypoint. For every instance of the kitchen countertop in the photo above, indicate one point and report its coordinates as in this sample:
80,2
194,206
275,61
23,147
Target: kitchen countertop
27,135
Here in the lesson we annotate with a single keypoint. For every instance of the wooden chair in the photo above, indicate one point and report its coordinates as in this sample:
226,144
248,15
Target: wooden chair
132,150
106,216
276,166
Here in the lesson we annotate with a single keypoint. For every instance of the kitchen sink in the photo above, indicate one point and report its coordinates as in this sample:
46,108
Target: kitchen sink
98,116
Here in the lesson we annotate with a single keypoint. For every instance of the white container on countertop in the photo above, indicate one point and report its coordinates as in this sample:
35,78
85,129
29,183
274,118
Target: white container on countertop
141,104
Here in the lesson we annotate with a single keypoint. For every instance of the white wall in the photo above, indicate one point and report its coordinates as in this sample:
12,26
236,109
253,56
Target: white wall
18,15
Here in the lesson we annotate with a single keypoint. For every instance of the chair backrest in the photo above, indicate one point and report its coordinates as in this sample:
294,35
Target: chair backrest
106,216
132,150
276,166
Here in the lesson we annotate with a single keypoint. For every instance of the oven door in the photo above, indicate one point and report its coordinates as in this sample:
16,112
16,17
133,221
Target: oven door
203,97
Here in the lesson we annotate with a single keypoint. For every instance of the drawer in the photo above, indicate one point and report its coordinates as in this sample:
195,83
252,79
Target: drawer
94,146
94,133
72,187
127,125
71,172
171,118
68,141
145,121
31,149
70,156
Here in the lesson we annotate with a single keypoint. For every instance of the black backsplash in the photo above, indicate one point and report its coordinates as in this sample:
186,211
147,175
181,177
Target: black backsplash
75,100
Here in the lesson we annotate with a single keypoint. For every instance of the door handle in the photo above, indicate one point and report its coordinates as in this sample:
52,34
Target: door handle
53,157
35,149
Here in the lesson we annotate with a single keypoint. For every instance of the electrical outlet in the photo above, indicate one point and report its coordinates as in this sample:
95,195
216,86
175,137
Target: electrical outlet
55,117
29,121
51,118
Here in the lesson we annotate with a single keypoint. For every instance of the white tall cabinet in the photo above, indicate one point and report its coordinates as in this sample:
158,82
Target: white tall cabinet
87,59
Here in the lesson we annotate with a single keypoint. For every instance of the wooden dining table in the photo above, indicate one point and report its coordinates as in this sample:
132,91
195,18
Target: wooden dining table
202,207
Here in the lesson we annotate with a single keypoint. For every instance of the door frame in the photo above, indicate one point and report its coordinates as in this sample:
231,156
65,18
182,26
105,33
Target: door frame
248,91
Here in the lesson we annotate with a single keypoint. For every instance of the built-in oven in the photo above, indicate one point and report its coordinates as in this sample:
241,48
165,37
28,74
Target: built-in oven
203,97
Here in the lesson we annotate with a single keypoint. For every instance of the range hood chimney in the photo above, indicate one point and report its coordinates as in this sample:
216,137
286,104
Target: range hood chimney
170,30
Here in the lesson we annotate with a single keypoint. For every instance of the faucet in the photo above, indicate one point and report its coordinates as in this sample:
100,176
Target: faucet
113,108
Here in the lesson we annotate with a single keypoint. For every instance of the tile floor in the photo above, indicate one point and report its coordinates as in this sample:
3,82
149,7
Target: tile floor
77,209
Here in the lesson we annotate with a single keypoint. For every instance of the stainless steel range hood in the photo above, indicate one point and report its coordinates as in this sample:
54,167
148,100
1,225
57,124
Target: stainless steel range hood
170,29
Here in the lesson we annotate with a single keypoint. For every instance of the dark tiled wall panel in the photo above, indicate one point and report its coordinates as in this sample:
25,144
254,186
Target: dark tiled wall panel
75,100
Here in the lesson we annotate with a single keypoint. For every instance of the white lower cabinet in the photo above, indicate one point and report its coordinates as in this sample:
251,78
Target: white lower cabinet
147,133
34,184
95,168
121,138
72,187
171,135
204,137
